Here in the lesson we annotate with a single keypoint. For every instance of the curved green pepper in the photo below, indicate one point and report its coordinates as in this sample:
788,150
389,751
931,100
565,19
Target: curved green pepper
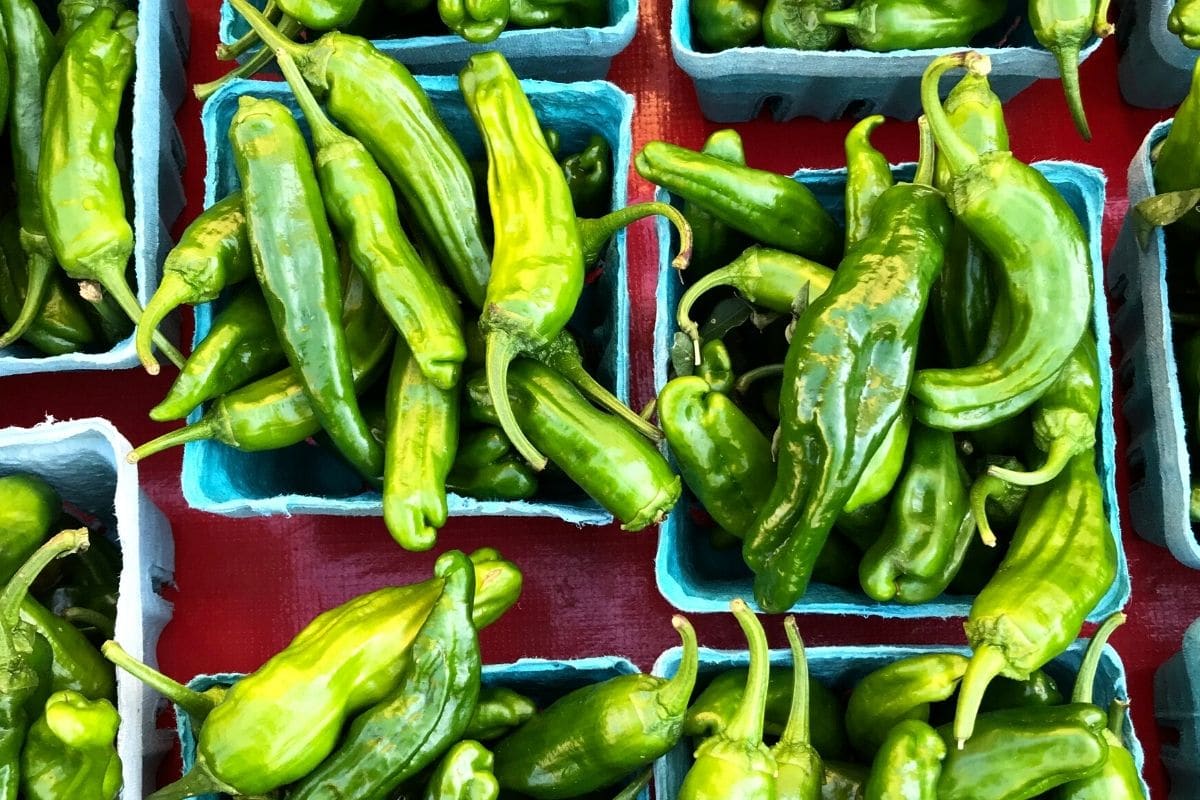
1041,252
908,763
464,773
77,665
1184,22
726,24
887,25
321,15
868,176
1038,690
898,691
884,468
484,468
799,762
716,366
599,734
73,13
714,243
1176,162
1060,564
28,508
589,177
1062,27
735,764
498,712
69,751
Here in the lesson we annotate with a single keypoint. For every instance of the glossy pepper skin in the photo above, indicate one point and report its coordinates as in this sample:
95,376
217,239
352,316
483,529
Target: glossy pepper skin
28,508
908,763
90,580
798,762
381,105
606,458
1036,691
886,25
70,751
240,346
362,206
898,691
487,468
868,176
321,15
589,177
1023,753
1041,253
735,764
77,665
597,735
297,266
867,322
714,243
772,209
1176,164
537,266
498,712
213,253
726,24
930,507
73,13
464,773
1060,564
1062,27
1184,22
884,468
427,711
477,22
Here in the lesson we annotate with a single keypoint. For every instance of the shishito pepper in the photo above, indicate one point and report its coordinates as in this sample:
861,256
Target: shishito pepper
798,761
884,468
487,468
791,23
28,507
77,665
464,773
597,735
1184,22
735,764
714,243
589,177
898,691
1061,562
837,406
70,752
1036,691
868,176
73,13
1041,253
498,712
1177,162
478,21
1062,27
886,25
908,763
726,24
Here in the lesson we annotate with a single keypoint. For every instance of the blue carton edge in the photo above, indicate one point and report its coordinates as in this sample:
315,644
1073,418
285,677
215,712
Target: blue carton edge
1154,70
1177,706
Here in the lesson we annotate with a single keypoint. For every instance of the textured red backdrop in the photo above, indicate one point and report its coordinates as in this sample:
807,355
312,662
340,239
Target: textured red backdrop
245,587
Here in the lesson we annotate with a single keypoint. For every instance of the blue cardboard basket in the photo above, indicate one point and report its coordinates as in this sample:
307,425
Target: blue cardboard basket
303,479
541,680
159,86
1160,479
1177,706
1155,70
839,668
737,85
556,54
693,576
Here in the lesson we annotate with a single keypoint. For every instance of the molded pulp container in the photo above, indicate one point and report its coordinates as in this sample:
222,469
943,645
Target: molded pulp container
1160,472
558,54
159,86
739,84
1177,706
839,668
541,680
693,576
84,460
311,480
1155,70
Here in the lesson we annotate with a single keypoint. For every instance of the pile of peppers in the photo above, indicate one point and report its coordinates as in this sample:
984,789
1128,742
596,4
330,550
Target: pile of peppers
1061,26
58,600
364,294
765,732
65,237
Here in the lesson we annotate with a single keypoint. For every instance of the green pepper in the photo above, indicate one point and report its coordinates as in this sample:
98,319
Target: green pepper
887,25
913,560
321,15
772,209
997,501
498,712
73,13
1023,752
1041,253
589,177
240,346
600,453
844,781
212,253
1060,564
484,468
884,468
716,366
464,773
1038,690
714,243
297,266
69,751
734,764
275,411
478,22
77,664
597,735
1184,22
726,24
799,763
28,507
5,78
1176,163
792,23
833,419
362,206
908,763
1062,27
898,691
868,176
426,711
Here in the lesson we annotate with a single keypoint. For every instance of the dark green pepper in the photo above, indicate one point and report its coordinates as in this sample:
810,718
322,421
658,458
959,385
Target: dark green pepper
321,15
908,763
485,468
726,24
1062,27
589,177
1039,689
716,366
868,176
898,691
798,761
212,253
597,735
996,500
28,508
464,773
1184,22
714,243
886,25
77,664
498,712
70,751
844,781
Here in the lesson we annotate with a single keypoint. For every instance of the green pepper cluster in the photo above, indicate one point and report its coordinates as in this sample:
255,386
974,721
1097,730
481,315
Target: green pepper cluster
325,270
58,596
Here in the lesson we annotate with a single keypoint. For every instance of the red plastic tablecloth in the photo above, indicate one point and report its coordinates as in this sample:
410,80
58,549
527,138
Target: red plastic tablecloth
243,588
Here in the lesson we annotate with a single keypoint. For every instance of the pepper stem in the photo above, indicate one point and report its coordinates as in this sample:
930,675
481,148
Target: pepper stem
1062,450
172,292
196,704
840,18
197,782
1101,26
677,692
636,786
204,428
59,545
728,275
39,270
927,160
1067,56
118,290
274,39
324,132
1085,680
1116,717
796,731
228,52
981,490
501,350
564,358
747,722
957,152
749,377
595,233
987,662
77,616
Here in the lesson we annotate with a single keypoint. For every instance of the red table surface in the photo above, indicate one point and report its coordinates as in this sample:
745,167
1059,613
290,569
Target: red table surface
244,587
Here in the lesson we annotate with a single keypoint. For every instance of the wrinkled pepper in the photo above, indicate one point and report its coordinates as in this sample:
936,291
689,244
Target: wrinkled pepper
1184,22
485,468
798,761
908,763
464,773
478,22
1063,28
793,23
70,751
868,176
898,691
498,712
726,24
886,25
